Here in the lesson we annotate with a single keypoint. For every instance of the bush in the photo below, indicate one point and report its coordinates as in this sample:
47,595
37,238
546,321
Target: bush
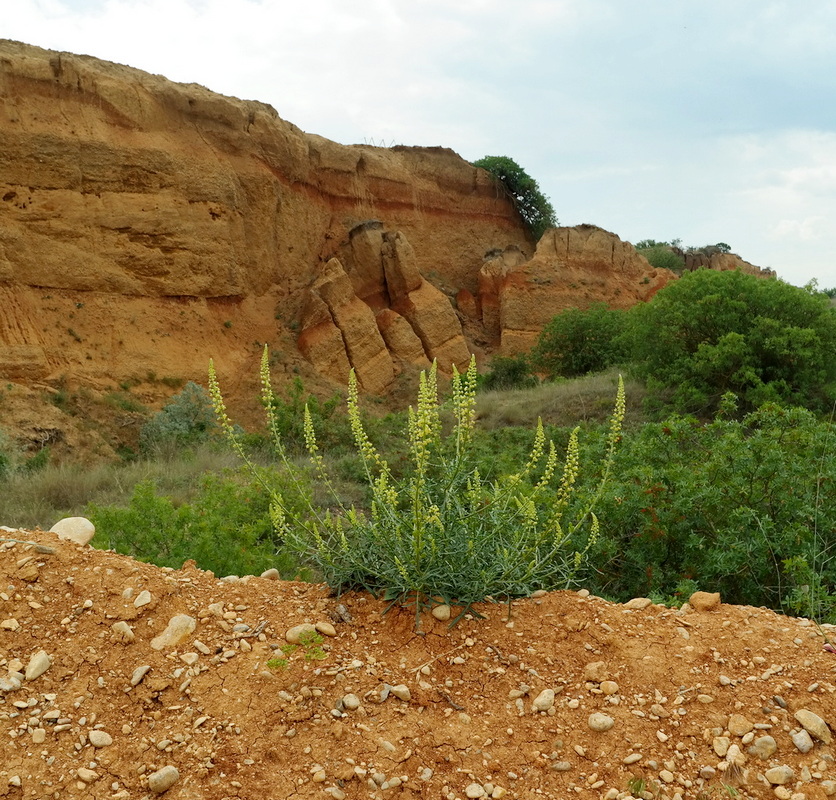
579,341
226,528
713,332
737,507
663,257
508,373
534,207
442,532
188,419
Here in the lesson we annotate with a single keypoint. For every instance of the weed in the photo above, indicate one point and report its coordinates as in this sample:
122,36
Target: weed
441,531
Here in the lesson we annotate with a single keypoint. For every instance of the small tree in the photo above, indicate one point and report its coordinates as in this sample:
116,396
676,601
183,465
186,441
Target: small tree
188,419
534,207
579,341
714,332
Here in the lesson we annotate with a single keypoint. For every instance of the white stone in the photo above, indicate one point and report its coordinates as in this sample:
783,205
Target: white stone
74,529
295,634
814,725
179,628
475,790
38,664
401,691
100,738
600,722
271,574
163,779
544,701
441,612
778,776
123,631
142,599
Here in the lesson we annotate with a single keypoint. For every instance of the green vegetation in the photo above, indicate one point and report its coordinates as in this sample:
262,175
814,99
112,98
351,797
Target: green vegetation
534,207
578,342
441,532
704,335
187,420
711,332
723,478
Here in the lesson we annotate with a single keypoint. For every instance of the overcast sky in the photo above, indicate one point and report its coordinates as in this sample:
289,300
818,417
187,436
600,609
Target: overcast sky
704,120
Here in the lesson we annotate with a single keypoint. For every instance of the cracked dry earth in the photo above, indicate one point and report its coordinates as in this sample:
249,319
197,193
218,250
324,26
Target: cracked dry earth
572,697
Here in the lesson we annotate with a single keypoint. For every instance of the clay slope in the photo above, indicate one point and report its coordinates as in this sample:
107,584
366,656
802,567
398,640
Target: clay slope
570,697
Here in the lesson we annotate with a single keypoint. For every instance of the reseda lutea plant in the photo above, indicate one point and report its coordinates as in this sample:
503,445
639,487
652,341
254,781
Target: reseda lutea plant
443,533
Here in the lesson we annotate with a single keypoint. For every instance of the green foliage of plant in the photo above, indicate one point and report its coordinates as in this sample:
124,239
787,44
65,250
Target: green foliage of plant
187,420
310,644
508,372
442,531
227,528
534,207
713,332
580,341
738,507
664,257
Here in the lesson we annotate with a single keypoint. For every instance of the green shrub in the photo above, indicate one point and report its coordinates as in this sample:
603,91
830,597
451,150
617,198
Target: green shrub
512,372
579,341
442,532
187,420
664,257
534,207
738,507
226,528
713,332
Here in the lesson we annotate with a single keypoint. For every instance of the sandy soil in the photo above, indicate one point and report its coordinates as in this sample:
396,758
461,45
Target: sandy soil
690,704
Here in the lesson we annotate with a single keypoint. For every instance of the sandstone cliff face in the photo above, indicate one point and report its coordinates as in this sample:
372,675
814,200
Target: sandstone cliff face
148,226
723,262
572,267
138,217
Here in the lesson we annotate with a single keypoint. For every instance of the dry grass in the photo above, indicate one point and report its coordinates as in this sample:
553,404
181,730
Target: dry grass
563,403
39,499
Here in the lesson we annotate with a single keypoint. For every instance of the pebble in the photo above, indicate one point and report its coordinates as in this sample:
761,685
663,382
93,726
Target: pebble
738,725
351,702
609,687
87,775
401,691
38,664
778,776
814,725
179,627
100,738
326,628
123,631
442,612
763,747
802,741
474,790
638,603
163,779
295,634
704,601
10,684
600,722
9,624
142,599
74,529
139,673
544,701
271,574
38,736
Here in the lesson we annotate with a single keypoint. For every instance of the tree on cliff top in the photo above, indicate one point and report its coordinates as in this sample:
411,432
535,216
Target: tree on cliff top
534,207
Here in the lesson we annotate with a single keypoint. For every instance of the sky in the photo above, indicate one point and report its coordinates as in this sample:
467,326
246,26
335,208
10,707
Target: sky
706,121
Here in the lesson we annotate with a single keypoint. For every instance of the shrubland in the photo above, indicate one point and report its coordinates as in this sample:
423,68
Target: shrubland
720,479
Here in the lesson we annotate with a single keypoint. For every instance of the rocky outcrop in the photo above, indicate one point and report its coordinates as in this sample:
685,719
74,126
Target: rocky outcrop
724,262
378,313
572,267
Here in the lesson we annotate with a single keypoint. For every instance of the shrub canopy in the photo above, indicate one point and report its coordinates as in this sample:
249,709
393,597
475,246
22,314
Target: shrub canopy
712,332
534,207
